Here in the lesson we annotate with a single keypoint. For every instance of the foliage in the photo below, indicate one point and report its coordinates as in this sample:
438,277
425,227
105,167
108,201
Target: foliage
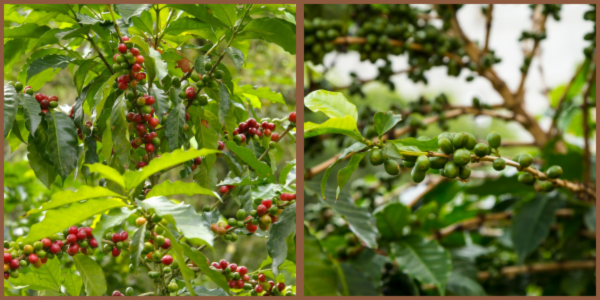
149,139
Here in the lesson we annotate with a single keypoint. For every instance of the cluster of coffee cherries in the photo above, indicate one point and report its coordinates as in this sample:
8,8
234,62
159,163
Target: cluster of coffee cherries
238,278
129,61
46,102
254,130
156,245
120,241
16,255
143,121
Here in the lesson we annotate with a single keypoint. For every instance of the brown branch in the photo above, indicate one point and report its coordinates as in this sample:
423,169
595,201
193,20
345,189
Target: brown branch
521,90
488,27
586,127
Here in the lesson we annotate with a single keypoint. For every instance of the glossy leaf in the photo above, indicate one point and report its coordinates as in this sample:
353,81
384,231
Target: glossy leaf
391,220
31,111
226,13
236,56
174,131
248,157
92,275
384,121
332,104
62,143
11,107
108,173
345,173
168,188
272,30
43,169
424,260
320,276
345,126
83,193
53,61
119,130
280,230
137,245
72,283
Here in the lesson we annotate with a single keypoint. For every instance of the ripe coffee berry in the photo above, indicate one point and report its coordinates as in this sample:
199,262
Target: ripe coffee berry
242,270
116,252
267,203
149,148
73,249
275,137
252,123
261,210
71,238
93,243
223,263
259,288
46,242
122,48
198,160
7,257
223,189
124,235
33,258
243,127
167,244
221,146
292,117
153,122
262,277
81,235
167,260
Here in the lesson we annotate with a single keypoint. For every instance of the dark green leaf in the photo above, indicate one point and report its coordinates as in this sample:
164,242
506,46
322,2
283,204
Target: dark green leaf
174,131
345,173
391,220
245,154
11,106
53,61
119,130
272,30
236,56
92,275
284,227
62,142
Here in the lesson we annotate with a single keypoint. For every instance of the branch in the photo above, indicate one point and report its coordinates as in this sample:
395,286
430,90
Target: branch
521,90
586,127
453,113
280,137
488,27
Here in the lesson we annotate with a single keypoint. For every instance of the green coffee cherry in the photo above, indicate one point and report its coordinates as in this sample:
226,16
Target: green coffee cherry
423,163
446,135
241,214
526,178
173,287
445,145
417,175
494,139
437,163
464,173
460,140
554,172
451,170
481,150
129,291
408,164
545,186
391,167
525,160
377,157
499,164
471,142
461,157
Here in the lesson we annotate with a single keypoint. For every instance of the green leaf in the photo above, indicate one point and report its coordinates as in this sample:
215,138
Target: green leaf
31,111
203,291
363,275
162,104
92,275
174,131
53,61
177,249
27,30
44,170
263,93
589,218
424,260
60,8
345,173
59,219
531,224
199,11
185,25
11,107
168,188
181,215
412,144
226,13
66,197
155,62
384,121
62,142
119,130
236,56
284,227
352,149
332,104
126,11
199,64
109,220
272,30
82,72
50,272
134,178
320,276
223,102
32,281
137,245
345,125
391,220
261,169
72,283
87,20
284,179
108,173
200,260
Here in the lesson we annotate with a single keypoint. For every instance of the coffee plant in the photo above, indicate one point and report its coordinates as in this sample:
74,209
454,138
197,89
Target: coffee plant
168,151
431,202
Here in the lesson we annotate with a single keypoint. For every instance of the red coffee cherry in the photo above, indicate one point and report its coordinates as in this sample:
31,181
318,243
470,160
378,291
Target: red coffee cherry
54,248
53,98
198,160
139,59
33,258
44,103
258,288
88,232
233,267
216,265
116,237
275,137
267,203
232,284
141,164
242,270
124,235
116,252
223,263
39,97
243,138
243,127
153,122
221,146
167,260
125,39
292,117
261,210
136,67
94,243
46,242
81,235
267,132
264,125
271,126
252,123
149,148
71,238
262,277
7,257
122,85
187,117
167,244
281,286
73,249
122,48
134,51
150,101
117,294
223,190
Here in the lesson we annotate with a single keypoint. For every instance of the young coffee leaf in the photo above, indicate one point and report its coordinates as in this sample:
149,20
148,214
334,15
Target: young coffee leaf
83,193
169,188
108,173
352,149
332,104
384,121
411,144
226,13
137,245
345,126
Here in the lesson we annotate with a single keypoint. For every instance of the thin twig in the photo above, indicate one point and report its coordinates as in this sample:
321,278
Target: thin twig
488,27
